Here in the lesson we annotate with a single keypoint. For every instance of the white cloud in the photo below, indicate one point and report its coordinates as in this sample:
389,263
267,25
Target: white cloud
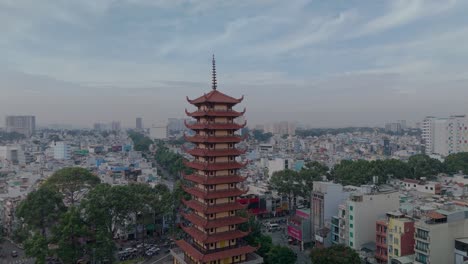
402,12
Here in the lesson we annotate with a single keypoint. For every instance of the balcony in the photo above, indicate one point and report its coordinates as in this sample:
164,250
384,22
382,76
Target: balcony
178,254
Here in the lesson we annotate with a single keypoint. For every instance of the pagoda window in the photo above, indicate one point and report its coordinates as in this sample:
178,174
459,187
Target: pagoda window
231,158
233,241
212,230
211,173
211,187
212,201
231,212
233,226
231,171
231,145
231,198
211,215
231,185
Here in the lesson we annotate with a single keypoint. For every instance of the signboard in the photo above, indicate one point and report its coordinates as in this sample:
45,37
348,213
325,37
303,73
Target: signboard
295,233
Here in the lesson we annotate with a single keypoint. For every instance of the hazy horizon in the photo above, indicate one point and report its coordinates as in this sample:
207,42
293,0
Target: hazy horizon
327,64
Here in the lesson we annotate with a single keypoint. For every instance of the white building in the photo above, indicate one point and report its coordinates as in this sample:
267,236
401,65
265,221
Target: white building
364,208
21,124
158,131
436,236
278,164
421,186
445,136
14,154
61,150
326,197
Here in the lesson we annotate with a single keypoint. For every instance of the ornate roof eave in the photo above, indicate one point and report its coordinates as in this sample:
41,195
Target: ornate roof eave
212,209
214,152
214,139
227,253
199,113
214,180
214,223
205,166
214,194
211,238
220,126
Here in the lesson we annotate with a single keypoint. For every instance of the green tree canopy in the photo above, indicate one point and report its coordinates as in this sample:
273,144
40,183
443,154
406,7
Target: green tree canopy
336,254
281,255
288,183
71,181
457,162
260,136
425,166
140,141
41,209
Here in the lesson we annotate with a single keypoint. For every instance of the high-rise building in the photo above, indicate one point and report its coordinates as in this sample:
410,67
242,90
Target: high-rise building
139,123
393,127
21,124
158,131
115,126
61,150
387,151
444,136
212,220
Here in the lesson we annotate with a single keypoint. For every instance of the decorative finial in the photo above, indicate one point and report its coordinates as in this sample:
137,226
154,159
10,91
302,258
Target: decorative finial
214,84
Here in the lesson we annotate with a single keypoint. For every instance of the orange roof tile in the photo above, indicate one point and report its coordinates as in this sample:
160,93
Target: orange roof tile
215,96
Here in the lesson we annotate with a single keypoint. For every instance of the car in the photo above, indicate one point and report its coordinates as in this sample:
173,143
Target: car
14,253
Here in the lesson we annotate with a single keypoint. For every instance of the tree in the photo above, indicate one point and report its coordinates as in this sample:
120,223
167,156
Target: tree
457,162
260,136
41,209
140,141
336,254
71,182
71,234
312,171
288,183
425,166
281,255
37,246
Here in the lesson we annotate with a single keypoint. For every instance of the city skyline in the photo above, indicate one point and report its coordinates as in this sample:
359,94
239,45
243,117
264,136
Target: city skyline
327,65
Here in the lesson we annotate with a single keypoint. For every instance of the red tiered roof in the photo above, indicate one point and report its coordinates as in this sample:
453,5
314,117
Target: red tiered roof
212,238
214,166
214,139
221,126
215,96
227,253
223,113
214,223
213,209
214,180
215,152
214,194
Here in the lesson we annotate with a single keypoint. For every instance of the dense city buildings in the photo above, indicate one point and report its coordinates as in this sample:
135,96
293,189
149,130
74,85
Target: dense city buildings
212,227
25,125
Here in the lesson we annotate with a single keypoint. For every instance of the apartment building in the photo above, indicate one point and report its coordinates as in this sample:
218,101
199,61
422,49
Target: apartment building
363,211
25,125
444,136
400,235
381,251
326,197
436,234
422,186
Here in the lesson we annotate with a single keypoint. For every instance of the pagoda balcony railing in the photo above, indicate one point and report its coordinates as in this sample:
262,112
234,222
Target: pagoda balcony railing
240,243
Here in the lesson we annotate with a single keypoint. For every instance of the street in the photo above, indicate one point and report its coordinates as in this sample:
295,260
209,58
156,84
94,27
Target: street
5,254
281,238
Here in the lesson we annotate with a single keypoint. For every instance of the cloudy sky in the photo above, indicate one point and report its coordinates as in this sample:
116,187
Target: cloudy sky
325,63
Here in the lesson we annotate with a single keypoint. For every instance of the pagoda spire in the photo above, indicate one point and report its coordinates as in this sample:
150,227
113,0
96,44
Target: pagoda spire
214,84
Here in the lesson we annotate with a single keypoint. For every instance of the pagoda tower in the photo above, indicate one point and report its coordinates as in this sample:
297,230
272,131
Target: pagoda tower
211,215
